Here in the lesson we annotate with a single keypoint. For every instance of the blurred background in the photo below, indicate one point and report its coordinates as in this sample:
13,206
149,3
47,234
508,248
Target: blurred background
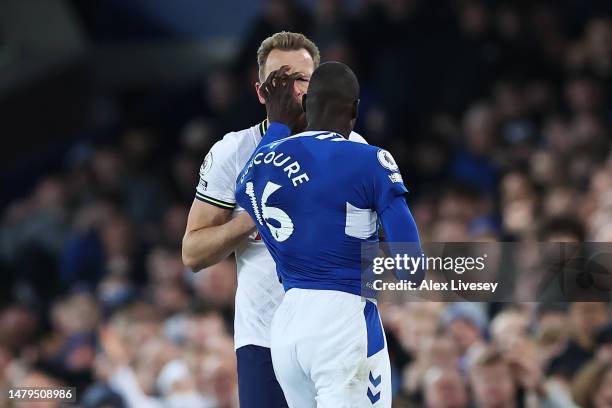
498,112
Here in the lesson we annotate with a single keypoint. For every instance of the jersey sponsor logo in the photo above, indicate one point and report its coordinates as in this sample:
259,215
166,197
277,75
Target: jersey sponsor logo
386,160
203,185
207,165
395,178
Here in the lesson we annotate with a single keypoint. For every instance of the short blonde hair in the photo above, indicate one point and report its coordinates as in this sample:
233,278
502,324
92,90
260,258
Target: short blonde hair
286,41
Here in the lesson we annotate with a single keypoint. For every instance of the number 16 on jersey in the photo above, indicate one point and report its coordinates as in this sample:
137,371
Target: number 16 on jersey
277,221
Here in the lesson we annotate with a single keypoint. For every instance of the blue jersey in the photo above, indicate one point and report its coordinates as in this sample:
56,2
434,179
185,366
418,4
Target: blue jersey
315,198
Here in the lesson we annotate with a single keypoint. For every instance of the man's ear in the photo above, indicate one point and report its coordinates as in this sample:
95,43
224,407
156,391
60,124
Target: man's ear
304,102
355,109
258,92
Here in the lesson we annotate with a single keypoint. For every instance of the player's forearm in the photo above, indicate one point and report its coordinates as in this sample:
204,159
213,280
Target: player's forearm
399,226
209,245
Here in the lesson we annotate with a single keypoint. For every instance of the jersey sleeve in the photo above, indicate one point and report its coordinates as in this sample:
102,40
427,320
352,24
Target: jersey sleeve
217,183
385,180
399,226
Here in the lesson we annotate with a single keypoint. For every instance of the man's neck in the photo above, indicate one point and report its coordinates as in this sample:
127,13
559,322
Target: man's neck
330,126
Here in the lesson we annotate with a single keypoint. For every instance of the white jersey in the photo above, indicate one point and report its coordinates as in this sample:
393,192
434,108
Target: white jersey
259,291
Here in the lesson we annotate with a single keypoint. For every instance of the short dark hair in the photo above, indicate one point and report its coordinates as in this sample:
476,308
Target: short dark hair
334,86
561,225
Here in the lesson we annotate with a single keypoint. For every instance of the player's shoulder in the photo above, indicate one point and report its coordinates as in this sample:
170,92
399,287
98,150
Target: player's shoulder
326,136
355,149
234,141
369,155
235,147
229,153
355,146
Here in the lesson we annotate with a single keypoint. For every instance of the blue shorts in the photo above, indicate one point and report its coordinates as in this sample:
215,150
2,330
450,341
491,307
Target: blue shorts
257,384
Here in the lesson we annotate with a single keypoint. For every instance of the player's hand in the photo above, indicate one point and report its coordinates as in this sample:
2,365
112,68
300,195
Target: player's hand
281,103
247,222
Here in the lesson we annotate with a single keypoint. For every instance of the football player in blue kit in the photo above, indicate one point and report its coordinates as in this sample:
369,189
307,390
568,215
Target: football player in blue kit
315,198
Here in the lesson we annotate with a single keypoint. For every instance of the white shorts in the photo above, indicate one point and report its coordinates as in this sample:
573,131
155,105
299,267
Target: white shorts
329,351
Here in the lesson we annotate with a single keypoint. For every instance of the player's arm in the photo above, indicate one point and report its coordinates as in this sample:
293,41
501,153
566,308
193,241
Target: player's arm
398,223
212,234
399,226
388,195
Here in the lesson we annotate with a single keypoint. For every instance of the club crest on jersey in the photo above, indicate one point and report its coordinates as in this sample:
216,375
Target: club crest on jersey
395,178
386,160
206,166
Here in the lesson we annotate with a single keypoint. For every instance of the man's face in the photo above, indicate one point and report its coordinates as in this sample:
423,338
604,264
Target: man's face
443,352
447,390
587,317
464,332
493,386
298,61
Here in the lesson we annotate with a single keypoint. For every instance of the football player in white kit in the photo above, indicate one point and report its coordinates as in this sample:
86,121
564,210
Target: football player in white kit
216,227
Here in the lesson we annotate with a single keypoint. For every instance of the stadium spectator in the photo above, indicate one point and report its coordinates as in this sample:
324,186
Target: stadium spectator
445,388
592,387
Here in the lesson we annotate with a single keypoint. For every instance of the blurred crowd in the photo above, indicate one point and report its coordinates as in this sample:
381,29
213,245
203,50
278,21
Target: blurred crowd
499,114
